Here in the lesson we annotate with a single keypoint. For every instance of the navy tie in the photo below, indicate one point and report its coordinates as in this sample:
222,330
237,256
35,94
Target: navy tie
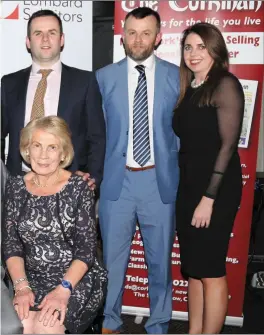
141,146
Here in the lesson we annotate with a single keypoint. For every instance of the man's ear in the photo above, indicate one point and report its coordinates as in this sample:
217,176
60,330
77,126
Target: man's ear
62,40
122,39
28,43
158,39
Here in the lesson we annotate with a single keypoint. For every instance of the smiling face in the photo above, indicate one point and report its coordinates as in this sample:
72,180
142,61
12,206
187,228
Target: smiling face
196,56
45,41
140,37
45,152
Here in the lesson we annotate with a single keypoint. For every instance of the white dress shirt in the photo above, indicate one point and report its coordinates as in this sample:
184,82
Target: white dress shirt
133,75
51,99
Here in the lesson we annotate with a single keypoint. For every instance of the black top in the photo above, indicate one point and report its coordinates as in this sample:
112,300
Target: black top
228,102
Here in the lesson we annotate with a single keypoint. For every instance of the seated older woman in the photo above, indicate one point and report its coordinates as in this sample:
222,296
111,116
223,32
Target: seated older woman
49,237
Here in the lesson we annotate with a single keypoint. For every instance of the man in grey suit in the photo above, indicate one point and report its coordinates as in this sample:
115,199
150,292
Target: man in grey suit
141,167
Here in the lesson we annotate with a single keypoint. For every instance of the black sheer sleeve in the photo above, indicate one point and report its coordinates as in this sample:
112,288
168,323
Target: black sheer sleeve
229,101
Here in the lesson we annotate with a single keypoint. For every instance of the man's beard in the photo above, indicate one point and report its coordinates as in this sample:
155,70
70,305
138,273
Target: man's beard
140,55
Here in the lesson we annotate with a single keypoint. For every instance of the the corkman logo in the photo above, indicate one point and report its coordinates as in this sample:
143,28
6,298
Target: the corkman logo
12,14
215,5
184,5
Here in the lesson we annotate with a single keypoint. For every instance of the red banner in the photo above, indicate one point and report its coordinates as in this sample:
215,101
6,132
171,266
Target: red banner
242,24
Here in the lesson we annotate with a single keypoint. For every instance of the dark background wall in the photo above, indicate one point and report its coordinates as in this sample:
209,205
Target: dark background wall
103,33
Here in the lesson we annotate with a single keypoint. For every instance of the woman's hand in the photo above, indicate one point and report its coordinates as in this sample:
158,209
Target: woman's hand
23,299
202,214
54,306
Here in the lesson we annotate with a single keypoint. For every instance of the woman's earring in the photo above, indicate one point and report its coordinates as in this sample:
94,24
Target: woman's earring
27,153
62,159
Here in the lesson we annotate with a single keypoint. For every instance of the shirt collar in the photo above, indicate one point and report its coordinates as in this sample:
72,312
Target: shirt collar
148,63
56,67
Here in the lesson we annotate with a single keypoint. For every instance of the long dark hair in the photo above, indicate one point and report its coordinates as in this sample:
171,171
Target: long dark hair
216,47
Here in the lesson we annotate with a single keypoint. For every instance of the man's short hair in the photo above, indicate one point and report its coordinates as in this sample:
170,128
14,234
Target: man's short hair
142,12
41,13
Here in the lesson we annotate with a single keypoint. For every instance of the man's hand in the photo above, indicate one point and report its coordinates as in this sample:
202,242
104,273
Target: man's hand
87,177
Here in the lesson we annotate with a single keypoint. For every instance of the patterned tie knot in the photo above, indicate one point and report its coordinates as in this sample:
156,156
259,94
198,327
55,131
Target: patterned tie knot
45,72
140,68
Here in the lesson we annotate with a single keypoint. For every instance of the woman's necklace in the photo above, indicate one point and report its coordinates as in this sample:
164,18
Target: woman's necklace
45,185
194,85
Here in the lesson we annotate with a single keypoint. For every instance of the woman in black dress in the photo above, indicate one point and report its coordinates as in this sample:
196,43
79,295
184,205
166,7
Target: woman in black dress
208,120
49,236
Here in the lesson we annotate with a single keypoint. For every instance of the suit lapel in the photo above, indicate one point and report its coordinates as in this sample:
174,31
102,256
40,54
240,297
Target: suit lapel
161,73
123,89
65,91
21,98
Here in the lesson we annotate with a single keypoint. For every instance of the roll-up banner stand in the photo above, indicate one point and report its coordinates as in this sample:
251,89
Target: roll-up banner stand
242,25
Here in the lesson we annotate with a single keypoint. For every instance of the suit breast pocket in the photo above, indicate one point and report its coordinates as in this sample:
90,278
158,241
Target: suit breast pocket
112,112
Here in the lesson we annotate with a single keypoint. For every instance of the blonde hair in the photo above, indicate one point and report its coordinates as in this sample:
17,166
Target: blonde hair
53,125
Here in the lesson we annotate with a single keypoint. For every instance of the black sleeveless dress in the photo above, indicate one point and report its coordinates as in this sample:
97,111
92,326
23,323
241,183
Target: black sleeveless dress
209,166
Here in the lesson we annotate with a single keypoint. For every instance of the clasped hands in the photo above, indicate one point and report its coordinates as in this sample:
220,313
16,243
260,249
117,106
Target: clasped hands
52,307
202,214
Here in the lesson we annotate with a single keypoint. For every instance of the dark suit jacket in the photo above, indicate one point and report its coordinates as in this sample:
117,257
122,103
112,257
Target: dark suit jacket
80,106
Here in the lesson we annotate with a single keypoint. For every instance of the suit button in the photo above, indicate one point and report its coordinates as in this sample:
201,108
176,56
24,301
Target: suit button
127,132
124,155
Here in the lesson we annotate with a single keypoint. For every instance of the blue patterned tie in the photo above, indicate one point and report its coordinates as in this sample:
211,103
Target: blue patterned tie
141,146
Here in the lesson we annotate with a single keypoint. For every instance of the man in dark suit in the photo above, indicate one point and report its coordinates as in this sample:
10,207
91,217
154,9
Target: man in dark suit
70,93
